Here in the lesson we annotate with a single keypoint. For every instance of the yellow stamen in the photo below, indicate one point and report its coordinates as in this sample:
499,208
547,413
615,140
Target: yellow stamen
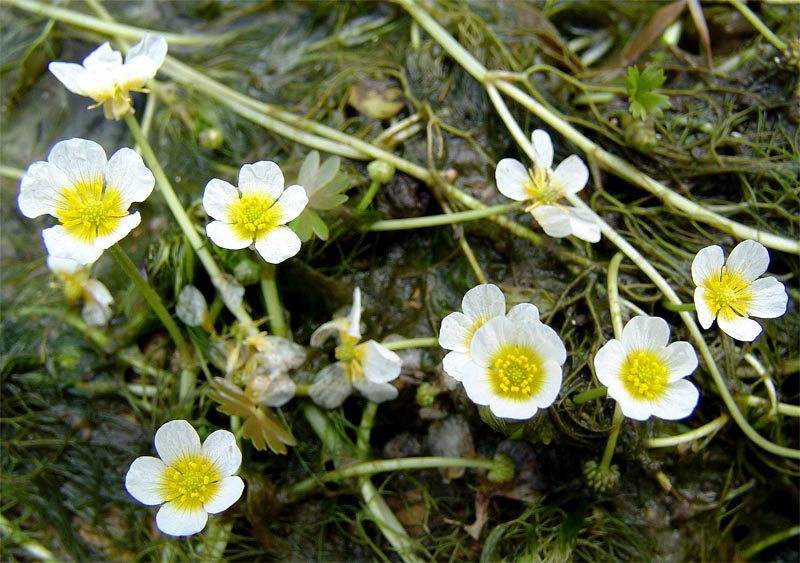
645,375
515,373
729,295
191,482
540,189
90,209
253,215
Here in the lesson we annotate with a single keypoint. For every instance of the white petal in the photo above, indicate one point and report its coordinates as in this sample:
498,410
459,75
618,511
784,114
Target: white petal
380,364
489,338
483,302
511,177
174,522
98,292
552,378
63,245
554,220
570,176
230,489
645,333
80,160
223,235
584,225
524,313
330,389
331,328
749,259
143,480
546,342
176,439
704,314
40,189
516,410
679,401
221,446
102,57
681,360
354,318
631,407
707,263
264,177
291,203
153,47
740,328
376,392
542,148
608,362
63,265
476,383
125,226
278,244
217,197
95,314
126,172
453,364
769,298
456,332
68,74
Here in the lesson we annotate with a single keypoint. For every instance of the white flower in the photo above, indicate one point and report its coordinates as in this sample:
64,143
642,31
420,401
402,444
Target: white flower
731,293
107,80
479,304
256,212
88,194
543,187
515,365
367,366
189,481
644,375
78,286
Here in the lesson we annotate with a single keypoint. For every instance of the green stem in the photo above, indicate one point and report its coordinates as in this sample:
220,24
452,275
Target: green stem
369,196
13,534
272,301
611,444
188,376
770,540
678,307
781,408
691,436
373,467
613,294
759,25
365,428
426,342
444,219
197,243
589,395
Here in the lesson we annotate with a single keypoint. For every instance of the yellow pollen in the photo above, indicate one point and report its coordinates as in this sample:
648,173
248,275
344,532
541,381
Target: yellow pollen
515,373
90,209
191,482
728,295
253,215
645,375
540,188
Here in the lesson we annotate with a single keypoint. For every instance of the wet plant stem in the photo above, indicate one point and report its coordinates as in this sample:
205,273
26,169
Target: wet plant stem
373,467
444,219
188,375
365,428
12,534
187,227
370,194
756,22
272,300
773,539
611,444
589,395
425,342
699,432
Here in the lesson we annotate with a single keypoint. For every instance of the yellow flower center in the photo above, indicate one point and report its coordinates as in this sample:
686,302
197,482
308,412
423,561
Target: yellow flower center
514,373
540,190
352,357
191,482
90,209
253,215
644,375
728,295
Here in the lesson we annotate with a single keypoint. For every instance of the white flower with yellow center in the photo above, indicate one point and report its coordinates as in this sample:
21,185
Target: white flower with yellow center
644,375
367,366
515,364
104,78
88,194
189,481
544,187
79,286
731,292
481,303
256,212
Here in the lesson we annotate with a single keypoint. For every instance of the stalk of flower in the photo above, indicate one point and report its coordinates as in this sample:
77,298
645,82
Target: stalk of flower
542,187
188,480
644,375
365,366
732,291
89,195
256,212
479,304
80,287
515,364
108,80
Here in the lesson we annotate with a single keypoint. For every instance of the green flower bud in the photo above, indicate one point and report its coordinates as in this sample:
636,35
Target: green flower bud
380,171
211,139
247,272
599,478
503,469
426,394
